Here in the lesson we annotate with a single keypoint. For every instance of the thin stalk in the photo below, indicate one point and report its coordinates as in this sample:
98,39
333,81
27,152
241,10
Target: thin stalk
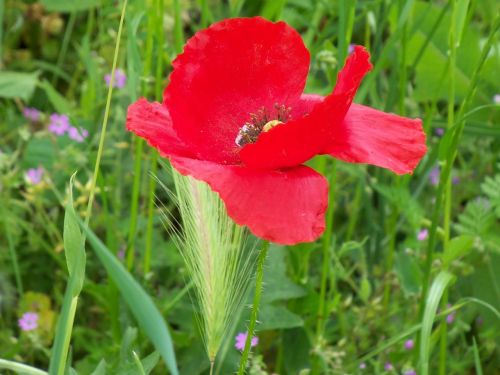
149,225
105,121
2,7
13,256
311,31
154,155
134,208
443,340
326,247
255,306
19,367
60,349
178,31
65,44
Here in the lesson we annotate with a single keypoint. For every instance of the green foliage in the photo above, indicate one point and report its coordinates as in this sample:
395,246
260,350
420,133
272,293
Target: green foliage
352,297
17,85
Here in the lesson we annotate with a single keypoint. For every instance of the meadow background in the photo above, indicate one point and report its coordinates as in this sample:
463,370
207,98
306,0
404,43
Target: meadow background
361,300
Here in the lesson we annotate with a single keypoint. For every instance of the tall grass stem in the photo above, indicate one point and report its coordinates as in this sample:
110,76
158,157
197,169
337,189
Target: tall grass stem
259,276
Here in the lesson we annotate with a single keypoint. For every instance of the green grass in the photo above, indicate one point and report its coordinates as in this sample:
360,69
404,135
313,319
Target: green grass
354,297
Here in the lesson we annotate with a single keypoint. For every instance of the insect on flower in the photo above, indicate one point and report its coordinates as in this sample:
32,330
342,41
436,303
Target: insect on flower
235,116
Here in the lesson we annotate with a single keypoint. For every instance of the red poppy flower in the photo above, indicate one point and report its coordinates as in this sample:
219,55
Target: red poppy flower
234,115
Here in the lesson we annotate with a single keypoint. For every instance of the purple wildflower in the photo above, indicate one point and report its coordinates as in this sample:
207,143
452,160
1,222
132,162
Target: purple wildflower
350,49
434,176
455,180
422,235
32,114
29,321
121,253
241,338
496,99
388,366
439,132
409,344
410,372
77,135
362,366
59,124
34,175
450,318
120,79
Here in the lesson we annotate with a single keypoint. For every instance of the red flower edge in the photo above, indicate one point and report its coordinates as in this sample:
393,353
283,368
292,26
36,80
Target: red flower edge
240,69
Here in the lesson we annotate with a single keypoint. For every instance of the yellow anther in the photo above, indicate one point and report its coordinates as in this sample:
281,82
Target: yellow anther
271,124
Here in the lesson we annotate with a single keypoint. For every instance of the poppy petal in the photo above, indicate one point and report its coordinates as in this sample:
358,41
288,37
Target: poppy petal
286,207
382,139
228,72
152,122
300,139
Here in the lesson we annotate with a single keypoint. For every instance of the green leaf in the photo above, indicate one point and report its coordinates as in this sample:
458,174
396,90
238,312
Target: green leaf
75,259
17,84
39,152
462,7
69,6
477,359
277,284
409,273
365,289
60,103
100,369
444,145
432,77
457,248
141,305
20,368
436,291
73,244
277,317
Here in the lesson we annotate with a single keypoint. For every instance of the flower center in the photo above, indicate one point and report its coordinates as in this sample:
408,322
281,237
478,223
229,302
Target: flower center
262,121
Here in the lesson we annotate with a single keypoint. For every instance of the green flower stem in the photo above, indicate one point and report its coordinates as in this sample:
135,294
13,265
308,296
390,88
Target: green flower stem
255,306
326,247
20,368
13,256
443,340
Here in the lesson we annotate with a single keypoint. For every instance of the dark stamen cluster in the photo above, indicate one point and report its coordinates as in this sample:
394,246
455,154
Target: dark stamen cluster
251,130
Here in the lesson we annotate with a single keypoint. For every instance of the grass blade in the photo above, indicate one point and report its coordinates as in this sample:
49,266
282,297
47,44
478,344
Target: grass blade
435,293
477,359
20,368
139,302
75,259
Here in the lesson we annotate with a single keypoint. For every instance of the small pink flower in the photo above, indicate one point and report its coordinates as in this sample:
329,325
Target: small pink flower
32,114
410,372
120,79
409,344
439,132
422,235
78,135
29,321
450,318
362,366
59,124
496,99
350,49
388,366
34,175
241,338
